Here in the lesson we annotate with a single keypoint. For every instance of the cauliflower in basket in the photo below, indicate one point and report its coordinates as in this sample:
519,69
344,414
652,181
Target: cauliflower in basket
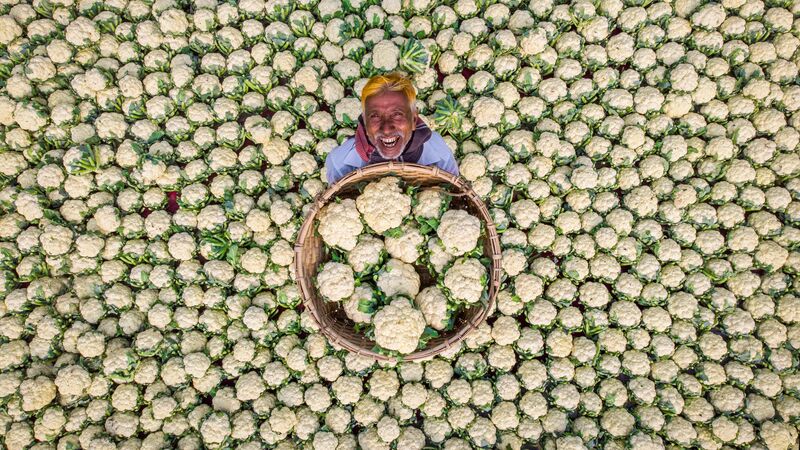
398,326
383,204
466,280
438,258
359,307
459,231
398,278
405,245
340,224
367,253
433,304
335,281
430,203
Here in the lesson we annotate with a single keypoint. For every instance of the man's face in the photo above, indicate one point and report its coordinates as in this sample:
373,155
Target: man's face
390,122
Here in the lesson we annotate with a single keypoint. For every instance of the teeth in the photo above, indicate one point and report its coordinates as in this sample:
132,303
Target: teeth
390,142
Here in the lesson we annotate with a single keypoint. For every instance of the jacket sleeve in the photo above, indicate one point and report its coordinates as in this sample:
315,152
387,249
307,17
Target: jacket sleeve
330,169
334,164
337,164
332,173
441,156
448,162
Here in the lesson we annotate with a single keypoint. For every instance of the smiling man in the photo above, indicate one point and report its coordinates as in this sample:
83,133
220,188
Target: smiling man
389,129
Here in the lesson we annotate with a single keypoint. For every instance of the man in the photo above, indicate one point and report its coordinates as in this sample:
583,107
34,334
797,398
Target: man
389,129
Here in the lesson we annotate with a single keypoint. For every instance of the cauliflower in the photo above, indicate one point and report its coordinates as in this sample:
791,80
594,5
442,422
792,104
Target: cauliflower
437,256
360,305
459,231
398,278
429,204
433,304
367,253
37,393
383,205
335,281
398,326
405,244
466,280
340,224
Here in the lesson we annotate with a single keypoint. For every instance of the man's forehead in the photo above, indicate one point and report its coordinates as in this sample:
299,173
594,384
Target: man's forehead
387,99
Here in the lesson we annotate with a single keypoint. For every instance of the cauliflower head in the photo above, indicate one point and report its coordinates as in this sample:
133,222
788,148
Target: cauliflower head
466,280
433,304
405,245
437,257
340,224
429,204
335,281
398,326
383,204
398,278
367,253
362,300
459,231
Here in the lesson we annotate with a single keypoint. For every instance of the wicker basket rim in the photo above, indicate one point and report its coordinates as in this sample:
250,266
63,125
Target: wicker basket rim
405,171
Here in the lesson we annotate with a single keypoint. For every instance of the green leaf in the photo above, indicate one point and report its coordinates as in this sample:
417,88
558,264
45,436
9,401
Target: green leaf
338,256
54,217
366,306
394,232
426,337
414,57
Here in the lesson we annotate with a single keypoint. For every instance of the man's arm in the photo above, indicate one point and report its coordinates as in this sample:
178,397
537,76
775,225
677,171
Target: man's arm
335,166
330,170
440,155
449,163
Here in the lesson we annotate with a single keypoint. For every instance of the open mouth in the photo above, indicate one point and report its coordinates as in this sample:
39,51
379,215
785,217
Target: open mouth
390,142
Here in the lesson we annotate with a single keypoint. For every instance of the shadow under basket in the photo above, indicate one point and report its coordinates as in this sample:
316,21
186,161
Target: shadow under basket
310,253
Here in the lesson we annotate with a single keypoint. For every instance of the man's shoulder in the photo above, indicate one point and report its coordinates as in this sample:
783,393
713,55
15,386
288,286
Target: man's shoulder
341,150
436,148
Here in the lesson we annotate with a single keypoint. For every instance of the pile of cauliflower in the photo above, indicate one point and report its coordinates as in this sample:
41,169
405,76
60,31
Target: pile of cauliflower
377,244
640,159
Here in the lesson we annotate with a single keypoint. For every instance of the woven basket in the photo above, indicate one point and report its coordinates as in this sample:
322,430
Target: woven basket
310,252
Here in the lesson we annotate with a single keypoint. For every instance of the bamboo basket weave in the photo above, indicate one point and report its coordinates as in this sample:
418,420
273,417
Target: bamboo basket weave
310,252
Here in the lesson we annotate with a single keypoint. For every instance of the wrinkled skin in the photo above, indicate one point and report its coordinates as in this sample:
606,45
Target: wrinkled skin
387,115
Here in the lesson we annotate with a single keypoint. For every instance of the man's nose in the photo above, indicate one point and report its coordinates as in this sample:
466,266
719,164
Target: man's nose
386,126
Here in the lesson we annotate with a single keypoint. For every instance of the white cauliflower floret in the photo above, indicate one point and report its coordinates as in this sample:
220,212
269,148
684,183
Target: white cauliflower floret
340,224
216,428
383,205
362,293
405,246
366,253
398,326
487,111
385,55
72,381
335,281
398,278
56,240
433,304
37,393
466,280
429,204
459,231
778,435
438,257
